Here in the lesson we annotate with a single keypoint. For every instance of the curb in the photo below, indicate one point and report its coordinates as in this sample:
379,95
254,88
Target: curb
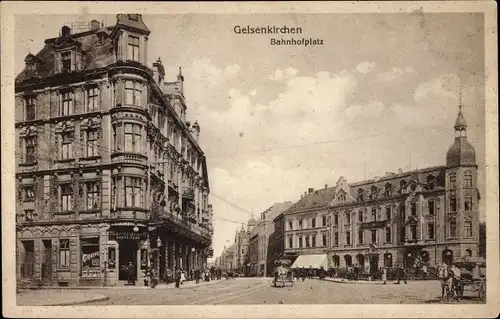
74,303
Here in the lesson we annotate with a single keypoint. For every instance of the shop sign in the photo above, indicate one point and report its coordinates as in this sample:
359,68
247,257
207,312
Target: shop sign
127,235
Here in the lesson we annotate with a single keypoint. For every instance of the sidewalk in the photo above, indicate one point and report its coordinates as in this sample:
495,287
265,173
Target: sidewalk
345,281
188,284
57,298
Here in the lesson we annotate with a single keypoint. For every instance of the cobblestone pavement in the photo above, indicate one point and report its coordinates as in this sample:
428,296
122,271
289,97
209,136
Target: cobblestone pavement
260,291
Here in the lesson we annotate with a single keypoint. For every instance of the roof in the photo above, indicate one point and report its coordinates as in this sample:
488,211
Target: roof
460,122
277,209
314,200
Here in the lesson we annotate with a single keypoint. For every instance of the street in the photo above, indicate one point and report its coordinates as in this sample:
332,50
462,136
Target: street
260,291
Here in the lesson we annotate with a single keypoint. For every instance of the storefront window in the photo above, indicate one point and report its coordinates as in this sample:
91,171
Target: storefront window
90,262
112,258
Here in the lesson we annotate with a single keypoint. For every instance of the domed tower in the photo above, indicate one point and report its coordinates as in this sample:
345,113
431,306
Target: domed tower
251,223
461,217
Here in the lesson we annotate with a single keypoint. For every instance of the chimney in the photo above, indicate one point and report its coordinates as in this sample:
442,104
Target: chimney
310,190
400,171
65,31
326,186
196,131
94,25
305,194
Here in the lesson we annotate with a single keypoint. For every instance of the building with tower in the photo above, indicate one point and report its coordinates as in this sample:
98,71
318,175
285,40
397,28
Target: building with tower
109,171
426,215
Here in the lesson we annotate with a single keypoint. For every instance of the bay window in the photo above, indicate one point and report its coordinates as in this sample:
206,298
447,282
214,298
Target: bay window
133,138
133,48
134,193
133,93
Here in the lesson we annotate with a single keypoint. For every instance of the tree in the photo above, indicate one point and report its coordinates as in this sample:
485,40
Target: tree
482,239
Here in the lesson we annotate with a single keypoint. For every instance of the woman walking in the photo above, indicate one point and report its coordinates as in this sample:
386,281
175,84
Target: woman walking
384,275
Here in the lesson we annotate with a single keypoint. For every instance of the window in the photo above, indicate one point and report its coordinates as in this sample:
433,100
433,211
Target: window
133,48
336,219
300,223
336,239
348,218
373,192
453,229
468,203
307,241
66,203
313,241
28,260
93,195
133,138
90,263
388,189
28,193
323,220
133,93
92,99
29,114
468,179
360,236
403,186
374,236
359,198
388,213
67,145
413,209
388,234
300,241
28,215
402,211
66,104
360,216
374,214
413,231
341,197
92,143
65,61
313,222
30,150
348,238
430,231
290,242
453,181
402,234
324,240
431,182
453,204
133,192
64,253
432,208
467,229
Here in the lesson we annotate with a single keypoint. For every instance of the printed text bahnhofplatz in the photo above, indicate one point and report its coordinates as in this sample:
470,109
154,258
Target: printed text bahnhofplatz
296,42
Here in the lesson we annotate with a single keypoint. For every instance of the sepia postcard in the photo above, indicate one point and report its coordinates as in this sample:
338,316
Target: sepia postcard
250,159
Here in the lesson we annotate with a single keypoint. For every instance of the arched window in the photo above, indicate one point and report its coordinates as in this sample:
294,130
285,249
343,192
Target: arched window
341,197
360,259
388,189
468,179
373,192
359,198
469,252
336,260
388,260
348,260
447,257
425,256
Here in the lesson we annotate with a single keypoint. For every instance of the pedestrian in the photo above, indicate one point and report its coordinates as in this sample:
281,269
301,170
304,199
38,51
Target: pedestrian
168,276
310,272
197,275
303,274
384,274
152,277
177,277
131,273
424,271
356,271
183,276
401,274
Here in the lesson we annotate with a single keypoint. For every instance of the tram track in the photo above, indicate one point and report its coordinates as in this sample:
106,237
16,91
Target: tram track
231,295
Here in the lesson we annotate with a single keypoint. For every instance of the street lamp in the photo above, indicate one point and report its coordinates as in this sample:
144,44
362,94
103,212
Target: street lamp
135,229
158,242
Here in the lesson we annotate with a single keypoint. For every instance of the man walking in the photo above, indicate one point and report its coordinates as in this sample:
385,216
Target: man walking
177,277
401,274
131,273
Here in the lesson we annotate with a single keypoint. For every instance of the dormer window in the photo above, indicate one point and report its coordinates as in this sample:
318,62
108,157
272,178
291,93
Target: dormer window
65,61
133,48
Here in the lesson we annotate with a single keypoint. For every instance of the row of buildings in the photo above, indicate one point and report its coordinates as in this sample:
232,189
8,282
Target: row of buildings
426,215
109,171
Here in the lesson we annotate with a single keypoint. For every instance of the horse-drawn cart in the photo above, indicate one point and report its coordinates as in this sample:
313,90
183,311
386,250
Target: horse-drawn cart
472,278
282,273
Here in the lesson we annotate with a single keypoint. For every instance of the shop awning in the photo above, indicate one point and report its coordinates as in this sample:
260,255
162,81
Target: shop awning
311,261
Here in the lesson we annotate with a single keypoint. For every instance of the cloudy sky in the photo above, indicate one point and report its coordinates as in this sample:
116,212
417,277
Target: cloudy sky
380,94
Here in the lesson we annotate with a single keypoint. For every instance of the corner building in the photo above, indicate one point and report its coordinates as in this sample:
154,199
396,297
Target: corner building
429,214
108,168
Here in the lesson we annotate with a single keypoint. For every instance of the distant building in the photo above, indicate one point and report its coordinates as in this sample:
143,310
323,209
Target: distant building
426,215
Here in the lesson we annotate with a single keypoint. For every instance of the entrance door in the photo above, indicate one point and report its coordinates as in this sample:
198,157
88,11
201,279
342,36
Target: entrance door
163,249
47,260
373,264
127,253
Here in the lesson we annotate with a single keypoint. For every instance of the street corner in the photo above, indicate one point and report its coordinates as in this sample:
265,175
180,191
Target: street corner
58,298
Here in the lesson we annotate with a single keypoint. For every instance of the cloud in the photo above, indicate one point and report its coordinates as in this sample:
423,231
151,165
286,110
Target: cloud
365,67
395,73
445,85
280,75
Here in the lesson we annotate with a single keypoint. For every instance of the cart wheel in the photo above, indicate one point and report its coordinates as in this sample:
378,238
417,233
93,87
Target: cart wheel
482,291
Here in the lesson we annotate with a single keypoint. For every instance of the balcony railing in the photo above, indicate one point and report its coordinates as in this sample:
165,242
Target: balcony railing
125,157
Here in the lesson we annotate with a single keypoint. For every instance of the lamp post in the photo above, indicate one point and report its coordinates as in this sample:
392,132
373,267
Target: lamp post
194,261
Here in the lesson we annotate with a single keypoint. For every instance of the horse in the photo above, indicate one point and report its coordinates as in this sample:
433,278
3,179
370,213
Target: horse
446,281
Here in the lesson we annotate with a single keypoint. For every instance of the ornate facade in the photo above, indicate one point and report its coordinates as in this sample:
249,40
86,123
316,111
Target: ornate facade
109,170
427,215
